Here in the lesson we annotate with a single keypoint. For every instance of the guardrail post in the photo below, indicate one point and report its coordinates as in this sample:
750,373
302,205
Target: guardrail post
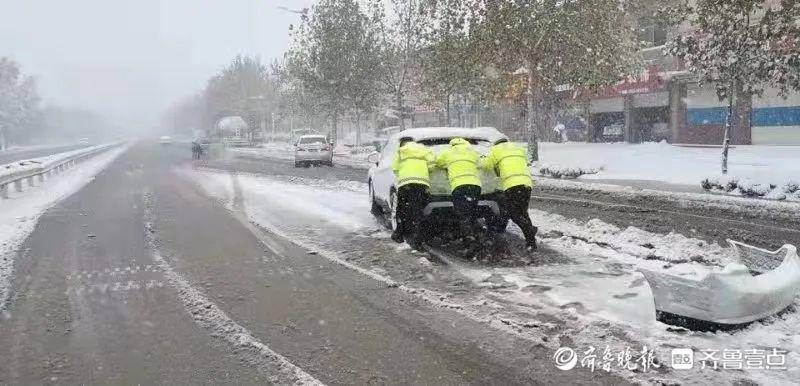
18,185
41,176
4,191
30,181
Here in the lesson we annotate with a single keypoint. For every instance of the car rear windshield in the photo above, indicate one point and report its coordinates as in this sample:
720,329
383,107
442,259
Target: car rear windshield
309,140
446,141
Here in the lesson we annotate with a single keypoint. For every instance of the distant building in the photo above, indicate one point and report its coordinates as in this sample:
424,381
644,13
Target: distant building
668,103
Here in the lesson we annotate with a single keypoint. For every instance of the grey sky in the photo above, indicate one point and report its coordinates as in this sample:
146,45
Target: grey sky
130,59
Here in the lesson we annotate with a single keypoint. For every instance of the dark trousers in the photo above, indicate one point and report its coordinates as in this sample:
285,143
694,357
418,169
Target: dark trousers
515,206
465,205
411,201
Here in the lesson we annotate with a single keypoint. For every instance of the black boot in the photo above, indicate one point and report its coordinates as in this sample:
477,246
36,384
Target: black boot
397,237
530,239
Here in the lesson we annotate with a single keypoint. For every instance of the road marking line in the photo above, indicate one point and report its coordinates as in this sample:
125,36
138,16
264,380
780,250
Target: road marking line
432,297
206,314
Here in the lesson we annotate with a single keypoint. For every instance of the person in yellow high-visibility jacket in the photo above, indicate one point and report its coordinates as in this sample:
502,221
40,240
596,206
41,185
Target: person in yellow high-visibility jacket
411,166
460,161
510,163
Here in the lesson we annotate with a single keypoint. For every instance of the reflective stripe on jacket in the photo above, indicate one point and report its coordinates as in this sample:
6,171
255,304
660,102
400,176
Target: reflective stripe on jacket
510,162
461,163
412,163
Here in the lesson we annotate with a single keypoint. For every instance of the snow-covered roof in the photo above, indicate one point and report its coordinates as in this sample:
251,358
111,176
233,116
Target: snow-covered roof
419,134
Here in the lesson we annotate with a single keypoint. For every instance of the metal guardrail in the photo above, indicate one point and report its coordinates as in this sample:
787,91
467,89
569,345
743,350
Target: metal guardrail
39,168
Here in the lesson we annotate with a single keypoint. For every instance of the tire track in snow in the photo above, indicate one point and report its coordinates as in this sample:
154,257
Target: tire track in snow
207,315
263,231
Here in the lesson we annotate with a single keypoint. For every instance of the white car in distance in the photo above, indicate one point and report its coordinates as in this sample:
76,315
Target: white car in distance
313,150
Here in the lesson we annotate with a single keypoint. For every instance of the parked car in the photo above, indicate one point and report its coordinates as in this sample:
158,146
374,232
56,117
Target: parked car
313,150
383,185
165,140
614,133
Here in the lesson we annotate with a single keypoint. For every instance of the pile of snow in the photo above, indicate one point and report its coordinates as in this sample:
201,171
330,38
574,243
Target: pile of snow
558,171
788,190
673,248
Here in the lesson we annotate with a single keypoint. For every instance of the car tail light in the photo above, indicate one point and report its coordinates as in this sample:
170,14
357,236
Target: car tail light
327,147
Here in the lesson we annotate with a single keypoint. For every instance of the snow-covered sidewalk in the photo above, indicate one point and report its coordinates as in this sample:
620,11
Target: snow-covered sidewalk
20,212
661,166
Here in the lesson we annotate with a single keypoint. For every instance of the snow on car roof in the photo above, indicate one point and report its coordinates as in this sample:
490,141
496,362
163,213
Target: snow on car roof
420,134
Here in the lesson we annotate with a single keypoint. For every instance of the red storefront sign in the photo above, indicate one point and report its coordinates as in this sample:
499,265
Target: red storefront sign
649,82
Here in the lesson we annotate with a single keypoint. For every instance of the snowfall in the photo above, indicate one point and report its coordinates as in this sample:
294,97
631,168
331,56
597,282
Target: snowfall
588,293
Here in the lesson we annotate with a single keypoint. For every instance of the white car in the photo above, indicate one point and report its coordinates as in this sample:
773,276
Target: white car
383,185
313,150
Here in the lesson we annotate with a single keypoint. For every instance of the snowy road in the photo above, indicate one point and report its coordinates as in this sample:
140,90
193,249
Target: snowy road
583,288
157,273
769,228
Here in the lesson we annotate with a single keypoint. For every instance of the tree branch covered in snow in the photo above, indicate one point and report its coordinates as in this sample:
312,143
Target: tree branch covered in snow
751,44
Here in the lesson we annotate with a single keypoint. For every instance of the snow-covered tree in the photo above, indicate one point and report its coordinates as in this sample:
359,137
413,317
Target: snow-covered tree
583,44
19,100
451,64
244,87
334,56
400,41
739,46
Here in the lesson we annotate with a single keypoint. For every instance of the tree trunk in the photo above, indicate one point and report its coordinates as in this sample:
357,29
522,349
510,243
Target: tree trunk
447,111
335,129
358,129
530,127
727,139
400,108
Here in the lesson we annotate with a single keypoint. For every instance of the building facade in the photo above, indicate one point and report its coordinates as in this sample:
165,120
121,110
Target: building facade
668,103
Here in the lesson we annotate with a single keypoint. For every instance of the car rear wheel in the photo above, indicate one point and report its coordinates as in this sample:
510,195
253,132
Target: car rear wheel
375,208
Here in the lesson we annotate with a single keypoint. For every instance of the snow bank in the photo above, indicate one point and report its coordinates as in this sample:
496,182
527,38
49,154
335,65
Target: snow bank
786,190
674,164
20,212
